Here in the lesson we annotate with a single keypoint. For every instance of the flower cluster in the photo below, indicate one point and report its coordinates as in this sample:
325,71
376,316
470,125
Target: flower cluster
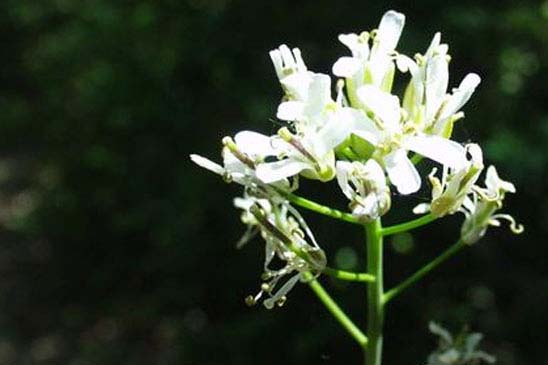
366,138
285,234
457,350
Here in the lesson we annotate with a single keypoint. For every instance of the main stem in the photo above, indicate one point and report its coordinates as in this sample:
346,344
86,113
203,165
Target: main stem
375,292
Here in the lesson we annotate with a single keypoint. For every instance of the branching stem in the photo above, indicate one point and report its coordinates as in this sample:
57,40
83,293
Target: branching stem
407,226
336,311
322,209
419,274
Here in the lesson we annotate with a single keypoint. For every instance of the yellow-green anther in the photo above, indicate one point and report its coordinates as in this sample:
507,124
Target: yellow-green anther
290,138
229,144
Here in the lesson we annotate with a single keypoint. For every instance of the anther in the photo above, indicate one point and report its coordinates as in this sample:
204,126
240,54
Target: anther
364,37
280,302
250,301
229,144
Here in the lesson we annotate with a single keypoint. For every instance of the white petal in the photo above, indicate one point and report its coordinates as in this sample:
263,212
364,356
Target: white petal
422,208
442,150
375,172
494,183
434,45
207,164
402,172
476,154
357,45
290,110
254,144
343,169
301,67
346,66
461,95
385,106
336,129
297,84
287,57
390,30
319,94
361,125
275,171
469,205
437,78
276,57
367,136
406,63
232,164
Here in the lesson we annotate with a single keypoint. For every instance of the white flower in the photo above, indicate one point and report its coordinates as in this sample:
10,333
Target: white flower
291,71
373,66
392,140
480,210
308,112
461,349
320,124
449,193
285,234
240,158
365,186
426,100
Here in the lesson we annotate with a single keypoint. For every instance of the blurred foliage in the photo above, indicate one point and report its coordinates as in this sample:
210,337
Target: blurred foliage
116,250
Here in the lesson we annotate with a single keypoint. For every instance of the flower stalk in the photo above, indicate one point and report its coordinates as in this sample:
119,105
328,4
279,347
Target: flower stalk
426,269
375,292
321,209
407,226
337,312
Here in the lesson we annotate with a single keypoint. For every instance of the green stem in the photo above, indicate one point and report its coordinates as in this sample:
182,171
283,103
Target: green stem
407,226
322,209
375,292
348,275
419,274
336,311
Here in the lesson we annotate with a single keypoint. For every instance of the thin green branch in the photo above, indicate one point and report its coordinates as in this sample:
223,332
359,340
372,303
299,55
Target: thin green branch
348,275
336,311
322,209
407,226
419,274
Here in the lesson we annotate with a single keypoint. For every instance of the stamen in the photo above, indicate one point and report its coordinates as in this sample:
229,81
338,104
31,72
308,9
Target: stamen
290,138
302,223
250,301
233,148
261,218
364,36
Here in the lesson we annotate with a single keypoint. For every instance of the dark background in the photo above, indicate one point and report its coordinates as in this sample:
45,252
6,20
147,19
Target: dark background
115,249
